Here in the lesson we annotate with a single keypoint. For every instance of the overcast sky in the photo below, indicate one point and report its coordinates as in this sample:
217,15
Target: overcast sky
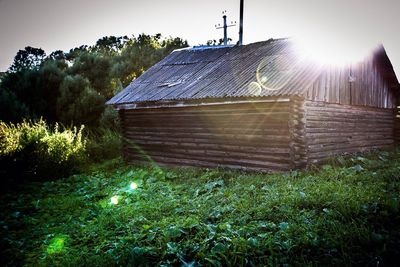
56,24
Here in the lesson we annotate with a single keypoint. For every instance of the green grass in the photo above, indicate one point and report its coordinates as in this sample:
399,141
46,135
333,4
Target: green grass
346,213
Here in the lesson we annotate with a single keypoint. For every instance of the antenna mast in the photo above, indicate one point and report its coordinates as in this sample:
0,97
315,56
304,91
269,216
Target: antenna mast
225,27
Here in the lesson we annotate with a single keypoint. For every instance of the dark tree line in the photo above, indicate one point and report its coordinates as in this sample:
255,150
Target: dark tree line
72,87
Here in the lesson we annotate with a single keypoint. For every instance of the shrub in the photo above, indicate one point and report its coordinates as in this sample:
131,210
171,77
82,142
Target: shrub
110,119
9,137
35,149
104,144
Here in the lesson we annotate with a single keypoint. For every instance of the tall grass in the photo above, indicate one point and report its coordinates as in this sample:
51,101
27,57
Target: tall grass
103,144
341,214
34,149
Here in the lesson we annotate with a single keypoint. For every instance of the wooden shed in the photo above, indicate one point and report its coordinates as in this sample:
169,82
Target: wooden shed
262,106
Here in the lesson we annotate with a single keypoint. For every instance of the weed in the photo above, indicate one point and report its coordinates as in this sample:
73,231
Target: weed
339,215
35,149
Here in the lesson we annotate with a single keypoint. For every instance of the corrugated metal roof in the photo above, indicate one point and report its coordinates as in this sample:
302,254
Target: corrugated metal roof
270,68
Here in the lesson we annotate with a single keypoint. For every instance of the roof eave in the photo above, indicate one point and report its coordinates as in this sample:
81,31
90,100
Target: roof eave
204,102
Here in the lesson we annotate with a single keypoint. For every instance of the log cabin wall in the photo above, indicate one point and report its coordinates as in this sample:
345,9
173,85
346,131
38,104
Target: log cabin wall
337,129
253,136
397,125
350,109
297,127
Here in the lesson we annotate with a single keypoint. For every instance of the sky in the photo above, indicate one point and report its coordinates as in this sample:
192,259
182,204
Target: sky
55,24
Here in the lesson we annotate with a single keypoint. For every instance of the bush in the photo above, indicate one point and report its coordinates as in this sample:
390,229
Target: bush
110,119
104,144
36,150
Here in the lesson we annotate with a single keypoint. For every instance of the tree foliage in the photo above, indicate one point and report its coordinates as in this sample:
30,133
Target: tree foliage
28,59
72,87
78,102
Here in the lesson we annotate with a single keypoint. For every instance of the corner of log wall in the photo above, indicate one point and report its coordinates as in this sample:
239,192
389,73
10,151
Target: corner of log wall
298,137
396,126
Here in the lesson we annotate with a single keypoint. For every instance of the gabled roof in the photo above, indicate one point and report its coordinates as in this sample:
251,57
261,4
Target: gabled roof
269,68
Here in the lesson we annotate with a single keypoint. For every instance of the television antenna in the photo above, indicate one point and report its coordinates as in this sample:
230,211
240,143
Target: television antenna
225,27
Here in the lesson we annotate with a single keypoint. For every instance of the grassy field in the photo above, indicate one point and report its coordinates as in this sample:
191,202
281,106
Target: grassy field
342,214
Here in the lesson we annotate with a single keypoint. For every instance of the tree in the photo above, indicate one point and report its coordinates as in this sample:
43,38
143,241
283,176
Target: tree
110,45
141,53
28,59
51,74
214,42
78,102
36,89
24,86
57,55
11,109
171,44
96,68
72,87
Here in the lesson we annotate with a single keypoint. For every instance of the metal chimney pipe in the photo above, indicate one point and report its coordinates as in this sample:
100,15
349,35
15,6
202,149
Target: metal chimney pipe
225,31
241,23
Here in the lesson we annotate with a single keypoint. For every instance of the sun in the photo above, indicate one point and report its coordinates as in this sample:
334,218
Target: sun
333,50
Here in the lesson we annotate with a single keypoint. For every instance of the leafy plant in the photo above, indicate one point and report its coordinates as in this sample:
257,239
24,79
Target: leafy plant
104,144
34,148
330,215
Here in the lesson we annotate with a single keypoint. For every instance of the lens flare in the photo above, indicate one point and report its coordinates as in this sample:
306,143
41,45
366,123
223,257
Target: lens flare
254,88
274,72
57,244
114,200
133,186
331,50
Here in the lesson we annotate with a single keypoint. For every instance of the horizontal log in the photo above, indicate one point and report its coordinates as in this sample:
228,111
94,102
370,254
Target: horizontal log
277,151
359,119
174,161
348,132
319,156
235,129
254,163
191,165
283,151
339,125
206,136
266,152
207,142
213,153
208,121
211,124
149,155
325,105
344,146
211,142
349,139
349,113
311,104
344,116
179,159
311,132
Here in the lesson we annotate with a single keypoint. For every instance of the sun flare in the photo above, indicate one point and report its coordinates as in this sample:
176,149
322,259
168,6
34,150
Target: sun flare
114,200
133,186
333,51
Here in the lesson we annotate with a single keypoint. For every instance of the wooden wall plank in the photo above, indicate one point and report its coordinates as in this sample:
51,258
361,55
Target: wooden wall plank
271,136
369,87
253,135
338,129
